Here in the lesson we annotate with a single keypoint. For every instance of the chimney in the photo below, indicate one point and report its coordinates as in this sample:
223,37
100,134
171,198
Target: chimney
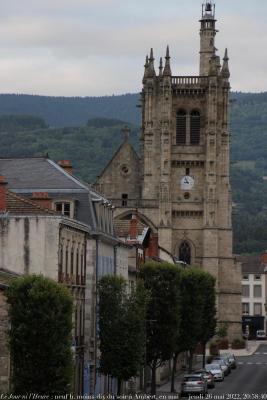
153,247
264,257
133,232
42,199
3,185
66,165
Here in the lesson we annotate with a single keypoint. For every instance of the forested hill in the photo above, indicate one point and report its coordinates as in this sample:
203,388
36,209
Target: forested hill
90,145
72,111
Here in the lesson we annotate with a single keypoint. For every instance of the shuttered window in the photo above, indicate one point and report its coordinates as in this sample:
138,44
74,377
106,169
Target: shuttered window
181,127
195,127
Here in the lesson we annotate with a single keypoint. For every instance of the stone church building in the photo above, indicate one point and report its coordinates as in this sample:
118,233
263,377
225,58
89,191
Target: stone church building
179,183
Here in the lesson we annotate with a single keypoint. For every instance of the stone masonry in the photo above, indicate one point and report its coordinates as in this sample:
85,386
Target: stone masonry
180,184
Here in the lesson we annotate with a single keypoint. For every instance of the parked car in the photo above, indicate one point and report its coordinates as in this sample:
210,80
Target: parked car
231,358
194,383
261,335
224,366
208,376
216,371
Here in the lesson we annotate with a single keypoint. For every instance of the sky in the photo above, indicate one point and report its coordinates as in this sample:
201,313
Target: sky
98,47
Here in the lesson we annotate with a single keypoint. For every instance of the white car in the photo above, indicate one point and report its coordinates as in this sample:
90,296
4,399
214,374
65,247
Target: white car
260,335
216,371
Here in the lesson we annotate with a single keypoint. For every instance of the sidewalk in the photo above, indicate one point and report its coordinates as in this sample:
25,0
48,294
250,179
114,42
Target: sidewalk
251,348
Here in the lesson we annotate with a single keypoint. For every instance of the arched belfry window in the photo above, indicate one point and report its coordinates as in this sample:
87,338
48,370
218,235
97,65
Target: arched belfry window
185,253
194,127
181,127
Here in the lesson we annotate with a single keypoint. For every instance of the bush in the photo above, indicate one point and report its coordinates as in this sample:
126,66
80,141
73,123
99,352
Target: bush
223,344
222,331
40,337
238,343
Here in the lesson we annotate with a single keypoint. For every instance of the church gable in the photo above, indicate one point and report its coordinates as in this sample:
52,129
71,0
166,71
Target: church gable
119,180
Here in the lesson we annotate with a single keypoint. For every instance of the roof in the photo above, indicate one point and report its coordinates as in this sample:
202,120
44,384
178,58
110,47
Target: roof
252,264
37,173
18,205
122,227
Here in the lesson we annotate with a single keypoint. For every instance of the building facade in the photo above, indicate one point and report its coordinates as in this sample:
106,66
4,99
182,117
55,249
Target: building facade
254,291
54,224
180,182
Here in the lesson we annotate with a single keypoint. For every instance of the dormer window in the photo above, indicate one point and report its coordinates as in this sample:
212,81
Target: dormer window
65,208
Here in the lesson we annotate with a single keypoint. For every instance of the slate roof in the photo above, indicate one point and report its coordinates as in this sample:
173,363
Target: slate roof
37,173
18,205
251,264
40,174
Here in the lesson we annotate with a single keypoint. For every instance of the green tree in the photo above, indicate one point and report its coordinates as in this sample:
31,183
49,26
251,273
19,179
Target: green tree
40,336
197,316
162,280
208,326
121,328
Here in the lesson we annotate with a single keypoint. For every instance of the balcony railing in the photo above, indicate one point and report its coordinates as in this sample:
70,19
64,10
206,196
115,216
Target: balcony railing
190,81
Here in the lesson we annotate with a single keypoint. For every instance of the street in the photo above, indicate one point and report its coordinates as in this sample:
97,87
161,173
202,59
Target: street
248,381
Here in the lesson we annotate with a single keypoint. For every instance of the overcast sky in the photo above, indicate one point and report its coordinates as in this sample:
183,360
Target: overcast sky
98,47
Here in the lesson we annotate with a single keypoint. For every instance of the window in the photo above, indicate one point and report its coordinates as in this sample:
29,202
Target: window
65,208
257,291
124,198
181,127
257,309
257,277
245,308
185,253
194,127
245,277
245,290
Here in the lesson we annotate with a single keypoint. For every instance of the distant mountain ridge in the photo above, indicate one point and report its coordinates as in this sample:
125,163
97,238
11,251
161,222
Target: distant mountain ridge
72,111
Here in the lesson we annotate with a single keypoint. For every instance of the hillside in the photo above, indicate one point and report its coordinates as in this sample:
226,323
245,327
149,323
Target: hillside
72,111
90,147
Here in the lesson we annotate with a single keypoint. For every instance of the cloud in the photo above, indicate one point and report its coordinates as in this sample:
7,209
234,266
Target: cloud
69,47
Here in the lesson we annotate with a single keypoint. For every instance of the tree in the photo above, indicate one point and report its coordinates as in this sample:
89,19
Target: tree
197,316
209,321
121,328
162,280
40,336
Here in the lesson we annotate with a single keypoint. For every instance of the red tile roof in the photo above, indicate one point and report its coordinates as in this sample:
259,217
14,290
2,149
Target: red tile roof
19,205
122,227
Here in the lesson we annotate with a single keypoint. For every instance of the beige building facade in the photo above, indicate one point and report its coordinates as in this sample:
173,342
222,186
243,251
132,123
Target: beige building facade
180,183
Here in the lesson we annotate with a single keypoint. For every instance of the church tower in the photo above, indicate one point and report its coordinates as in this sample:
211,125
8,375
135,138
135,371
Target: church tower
183,185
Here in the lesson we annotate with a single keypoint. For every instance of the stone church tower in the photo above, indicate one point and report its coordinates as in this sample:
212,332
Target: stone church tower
180,184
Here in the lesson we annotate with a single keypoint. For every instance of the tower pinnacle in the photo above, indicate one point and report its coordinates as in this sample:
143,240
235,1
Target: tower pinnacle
151,70
207,36
225,68
167,69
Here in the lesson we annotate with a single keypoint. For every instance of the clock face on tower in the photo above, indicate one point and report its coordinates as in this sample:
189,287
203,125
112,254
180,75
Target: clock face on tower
187,182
